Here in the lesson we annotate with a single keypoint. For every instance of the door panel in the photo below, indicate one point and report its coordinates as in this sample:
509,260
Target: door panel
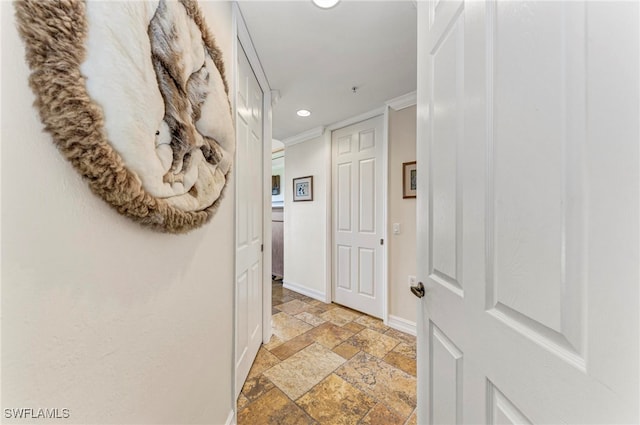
444,194
367,192
445,372
344,267
242,290
528,129
358,228
249,210
537,144
344,197
366,273
501,410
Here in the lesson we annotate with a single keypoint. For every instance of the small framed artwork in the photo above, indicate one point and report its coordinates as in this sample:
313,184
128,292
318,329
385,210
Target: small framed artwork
303,189
409,182
275,185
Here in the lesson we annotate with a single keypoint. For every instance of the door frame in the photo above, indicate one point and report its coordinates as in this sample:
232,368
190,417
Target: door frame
240,35
397,104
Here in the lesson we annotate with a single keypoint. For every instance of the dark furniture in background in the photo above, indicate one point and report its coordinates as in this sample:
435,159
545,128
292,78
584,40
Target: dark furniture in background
277,247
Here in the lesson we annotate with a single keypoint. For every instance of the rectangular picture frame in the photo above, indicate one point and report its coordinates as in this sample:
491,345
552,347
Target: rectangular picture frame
409,179
275,185
303,189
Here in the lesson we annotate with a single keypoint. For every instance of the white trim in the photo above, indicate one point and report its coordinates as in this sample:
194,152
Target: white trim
312,293
231,418
385,211
275,97
404,101
328,288
400,324
245,39
267,265
234,107
304,136
319,131
358,118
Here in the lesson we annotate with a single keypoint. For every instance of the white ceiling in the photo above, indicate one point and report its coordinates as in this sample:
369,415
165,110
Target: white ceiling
313,57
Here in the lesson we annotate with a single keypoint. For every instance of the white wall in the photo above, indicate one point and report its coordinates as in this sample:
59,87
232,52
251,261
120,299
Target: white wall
306,257
402,247
99,315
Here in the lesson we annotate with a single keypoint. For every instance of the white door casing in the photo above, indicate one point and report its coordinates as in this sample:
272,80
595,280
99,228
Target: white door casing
528,212
358,222
249,220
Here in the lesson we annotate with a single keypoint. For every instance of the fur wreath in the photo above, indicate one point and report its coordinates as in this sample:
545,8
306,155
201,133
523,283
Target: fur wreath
187,97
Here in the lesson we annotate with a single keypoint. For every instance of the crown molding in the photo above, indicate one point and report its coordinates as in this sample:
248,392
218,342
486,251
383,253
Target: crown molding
396,104
356,119
304,136
403,101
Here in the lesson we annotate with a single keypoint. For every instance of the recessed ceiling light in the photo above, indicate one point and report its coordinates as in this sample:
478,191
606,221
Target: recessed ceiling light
303,113
326,4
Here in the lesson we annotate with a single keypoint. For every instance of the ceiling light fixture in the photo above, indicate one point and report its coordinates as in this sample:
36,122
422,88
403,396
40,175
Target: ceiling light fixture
325,4
303,113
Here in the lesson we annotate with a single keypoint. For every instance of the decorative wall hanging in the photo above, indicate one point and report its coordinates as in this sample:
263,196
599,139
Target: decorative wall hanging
409,179
303,189
275,185
135,96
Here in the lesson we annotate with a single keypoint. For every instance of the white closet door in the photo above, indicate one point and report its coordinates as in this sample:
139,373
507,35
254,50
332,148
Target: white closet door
358,216
249,202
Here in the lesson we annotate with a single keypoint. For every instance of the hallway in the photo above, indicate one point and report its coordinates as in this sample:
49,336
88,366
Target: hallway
327,364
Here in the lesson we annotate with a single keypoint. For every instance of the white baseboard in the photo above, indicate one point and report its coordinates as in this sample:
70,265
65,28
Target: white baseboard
401,324
231,419
312,293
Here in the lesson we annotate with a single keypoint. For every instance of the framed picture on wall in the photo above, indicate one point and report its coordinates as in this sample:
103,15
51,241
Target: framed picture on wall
275,185
409,182
303,189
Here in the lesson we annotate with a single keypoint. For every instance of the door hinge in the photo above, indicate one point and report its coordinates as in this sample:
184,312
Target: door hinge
261,247
381,241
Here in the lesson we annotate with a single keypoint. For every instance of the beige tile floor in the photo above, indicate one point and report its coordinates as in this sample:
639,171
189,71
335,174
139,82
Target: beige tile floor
327,364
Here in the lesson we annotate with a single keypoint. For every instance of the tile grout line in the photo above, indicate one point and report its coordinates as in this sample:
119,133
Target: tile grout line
397,337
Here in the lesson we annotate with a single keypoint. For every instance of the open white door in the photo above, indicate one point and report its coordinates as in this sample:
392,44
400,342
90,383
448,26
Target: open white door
358,228
528,193
249,222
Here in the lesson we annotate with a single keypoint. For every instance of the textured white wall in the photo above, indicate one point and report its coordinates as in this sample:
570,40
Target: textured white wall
305,224
402,247
99,315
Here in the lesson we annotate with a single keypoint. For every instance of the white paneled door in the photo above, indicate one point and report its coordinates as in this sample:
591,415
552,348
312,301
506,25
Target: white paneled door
249,202
528,193
358,216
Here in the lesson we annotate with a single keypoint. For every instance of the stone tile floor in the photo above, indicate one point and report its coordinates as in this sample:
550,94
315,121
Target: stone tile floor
327,364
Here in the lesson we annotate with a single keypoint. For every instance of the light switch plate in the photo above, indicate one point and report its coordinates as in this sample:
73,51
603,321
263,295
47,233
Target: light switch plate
412,281
396,228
